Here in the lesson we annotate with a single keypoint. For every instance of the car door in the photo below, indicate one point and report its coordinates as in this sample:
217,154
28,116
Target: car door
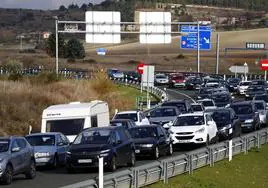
61,148
16,157
161,140
25,153
210,128
125,146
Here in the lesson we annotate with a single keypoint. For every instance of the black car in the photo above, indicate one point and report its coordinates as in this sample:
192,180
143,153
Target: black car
258,83
151,140
233,83
114,144
182,105
254,90
193,83
126,123
248,115
222,99
263,97
226,119
204,93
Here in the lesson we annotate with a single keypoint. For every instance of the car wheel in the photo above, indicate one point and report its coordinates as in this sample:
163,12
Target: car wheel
55,161
170,149
8,175
207,141
112,165
132,160
30,174
156,153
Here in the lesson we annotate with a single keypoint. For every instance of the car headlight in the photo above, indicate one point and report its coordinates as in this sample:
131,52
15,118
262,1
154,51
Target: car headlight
198,97
41,154
249,121
104,153
247,95
200,130
229,126
173,81
69,153
147,145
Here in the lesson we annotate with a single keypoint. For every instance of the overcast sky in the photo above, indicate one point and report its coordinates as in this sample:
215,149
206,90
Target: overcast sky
42,4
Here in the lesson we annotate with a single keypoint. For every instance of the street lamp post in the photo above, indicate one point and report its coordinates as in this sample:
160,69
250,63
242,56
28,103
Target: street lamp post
245,70
57,44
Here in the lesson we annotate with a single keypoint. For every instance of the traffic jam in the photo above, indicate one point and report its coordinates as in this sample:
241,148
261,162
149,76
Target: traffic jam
76,135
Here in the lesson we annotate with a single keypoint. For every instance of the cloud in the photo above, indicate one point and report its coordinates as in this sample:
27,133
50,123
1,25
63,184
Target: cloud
42,4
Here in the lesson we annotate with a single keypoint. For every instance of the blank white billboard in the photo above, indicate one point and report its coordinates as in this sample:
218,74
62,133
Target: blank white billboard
163,21
148,76
94,18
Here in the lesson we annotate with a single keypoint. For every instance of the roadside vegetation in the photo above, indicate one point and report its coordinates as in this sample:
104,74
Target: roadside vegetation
244,171
23,101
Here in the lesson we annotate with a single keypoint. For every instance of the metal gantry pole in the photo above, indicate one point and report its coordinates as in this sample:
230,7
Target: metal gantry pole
198,47
218,53
57,46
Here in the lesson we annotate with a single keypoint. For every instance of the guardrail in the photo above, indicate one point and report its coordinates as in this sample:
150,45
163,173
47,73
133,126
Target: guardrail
186,163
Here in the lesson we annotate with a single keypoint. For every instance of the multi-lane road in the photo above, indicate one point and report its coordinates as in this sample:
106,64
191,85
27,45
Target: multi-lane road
59,177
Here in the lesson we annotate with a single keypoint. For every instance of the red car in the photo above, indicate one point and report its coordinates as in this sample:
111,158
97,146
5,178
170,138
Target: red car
176,80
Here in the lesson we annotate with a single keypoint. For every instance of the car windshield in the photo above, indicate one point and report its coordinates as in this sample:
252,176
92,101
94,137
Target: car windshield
41,140
189,121
205,91
118,123
161,76
242,109
163,112
261,97
259,105
177,77
207,103
258,82
255,88
132,116
221,116
234,81
93,137
180,106
196,108
115,71
143,132
244,84
4,145
221,98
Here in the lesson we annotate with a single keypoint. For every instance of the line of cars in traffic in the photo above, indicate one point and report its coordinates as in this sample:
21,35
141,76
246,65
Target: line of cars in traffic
76,135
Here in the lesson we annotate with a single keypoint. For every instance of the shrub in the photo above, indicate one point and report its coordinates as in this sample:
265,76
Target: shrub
15,77
180,56
46,78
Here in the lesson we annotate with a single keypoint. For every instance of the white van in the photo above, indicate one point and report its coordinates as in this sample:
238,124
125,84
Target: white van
70,119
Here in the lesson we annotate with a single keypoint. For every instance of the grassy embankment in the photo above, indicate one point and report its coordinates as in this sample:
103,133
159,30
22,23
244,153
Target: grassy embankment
22,102
248,171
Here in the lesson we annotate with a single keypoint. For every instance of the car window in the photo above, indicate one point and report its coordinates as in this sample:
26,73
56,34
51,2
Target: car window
122,134
117,136
14,144
160,133
64,139
22,143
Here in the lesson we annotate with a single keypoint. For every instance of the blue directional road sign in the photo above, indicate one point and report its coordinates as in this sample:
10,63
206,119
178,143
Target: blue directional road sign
190,40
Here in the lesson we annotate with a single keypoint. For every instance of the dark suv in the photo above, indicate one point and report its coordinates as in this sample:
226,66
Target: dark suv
114,144
248,115
182,105
16,157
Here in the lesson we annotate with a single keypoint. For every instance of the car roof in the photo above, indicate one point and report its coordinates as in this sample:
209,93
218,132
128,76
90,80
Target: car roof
258,101
219,109
9,137
118,120
144,126
175,101
242,103
201,100
128,112
102,128
192,114
44,134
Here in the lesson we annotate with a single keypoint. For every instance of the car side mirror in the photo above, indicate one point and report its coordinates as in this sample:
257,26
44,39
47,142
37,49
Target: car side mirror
15,149
60,144
210,123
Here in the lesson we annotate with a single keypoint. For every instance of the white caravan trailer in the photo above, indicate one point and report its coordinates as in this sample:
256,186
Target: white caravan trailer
70,119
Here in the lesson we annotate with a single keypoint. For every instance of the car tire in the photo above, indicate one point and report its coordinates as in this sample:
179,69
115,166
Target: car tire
170,150
31,173
112,165
207,141
156,153
132,160
7,177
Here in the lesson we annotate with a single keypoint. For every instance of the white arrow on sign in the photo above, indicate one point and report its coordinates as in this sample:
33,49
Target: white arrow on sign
206,40
239,69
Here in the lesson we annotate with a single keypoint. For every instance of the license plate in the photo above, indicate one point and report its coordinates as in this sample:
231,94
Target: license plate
184,141
137,151
245,125
85,161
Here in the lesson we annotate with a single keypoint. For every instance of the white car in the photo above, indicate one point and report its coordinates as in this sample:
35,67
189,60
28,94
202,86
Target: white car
208,103
242,87
161,79
137,116
197,107
263,112
194,128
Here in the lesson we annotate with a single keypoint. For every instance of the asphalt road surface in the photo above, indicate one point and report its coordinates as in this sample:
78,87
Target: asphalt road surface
58,177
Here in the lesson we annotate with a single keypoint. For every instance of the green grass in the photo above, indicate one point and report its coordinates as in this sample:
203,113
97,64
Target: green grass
245,171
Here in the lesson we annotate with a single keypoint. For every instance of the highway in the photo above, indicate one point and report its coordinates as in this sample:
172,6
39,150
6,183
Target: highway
59,177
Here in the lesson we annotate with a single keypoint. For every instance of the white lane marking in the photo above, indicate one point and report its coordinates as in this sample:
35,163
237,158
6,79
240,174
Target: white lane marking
183,94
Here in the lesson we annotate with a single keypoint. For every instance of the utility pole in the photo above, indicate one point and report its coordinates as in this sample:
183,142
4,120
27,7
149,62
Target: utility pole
198,47
57,44
218,53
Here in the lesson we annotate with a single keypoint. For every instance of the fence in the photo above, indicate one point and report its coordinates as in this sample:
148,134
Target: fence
186,163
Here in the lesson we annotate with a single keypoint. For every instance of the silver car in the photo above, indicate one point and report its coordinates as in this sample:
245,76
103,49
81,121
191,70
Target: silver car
16,157
263,112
